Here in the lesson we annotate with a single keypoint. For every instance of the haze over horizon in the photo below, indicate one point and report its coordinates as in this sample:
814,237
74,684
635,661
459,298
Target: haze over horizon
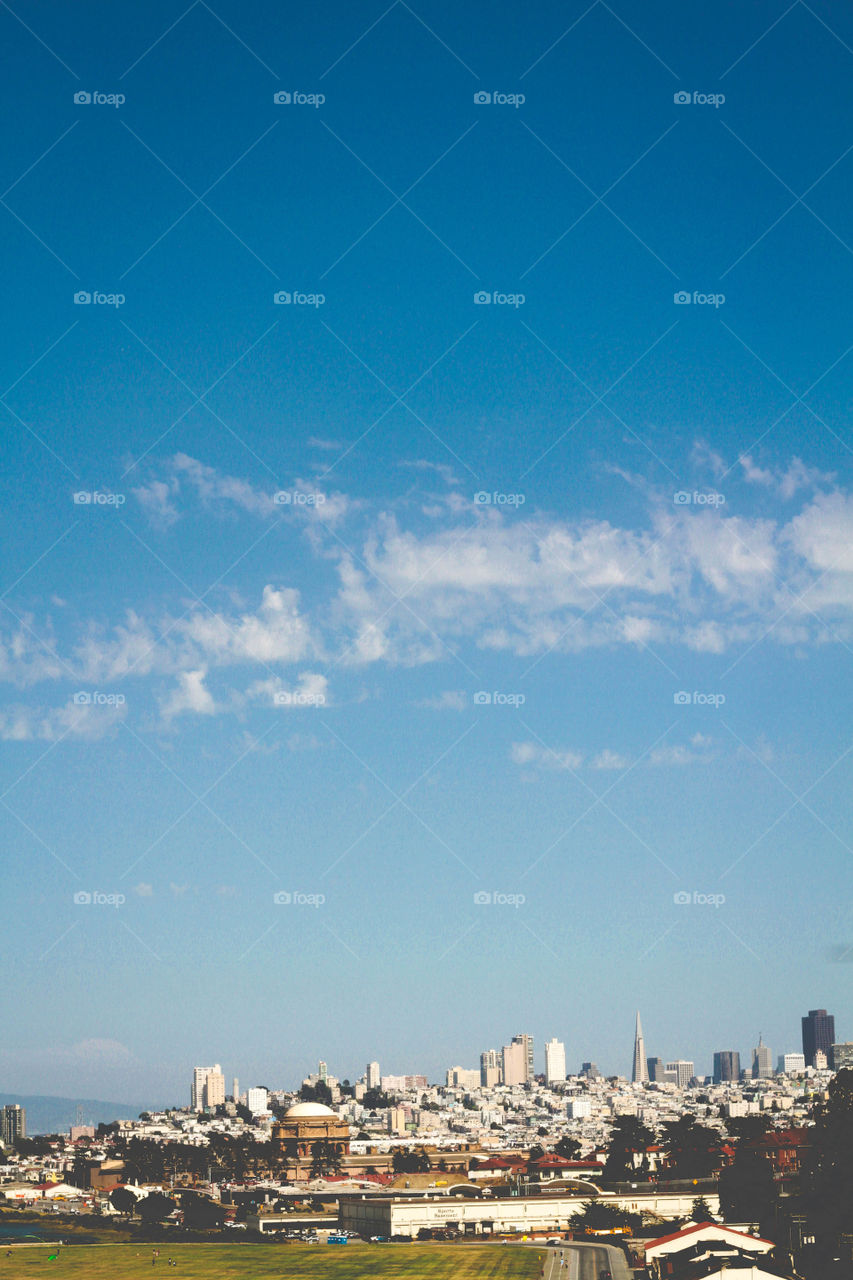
428,586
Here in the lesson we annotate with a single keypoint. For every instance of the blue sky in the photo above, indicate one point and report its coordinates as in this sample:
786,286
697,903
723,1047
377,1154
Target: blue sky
308,533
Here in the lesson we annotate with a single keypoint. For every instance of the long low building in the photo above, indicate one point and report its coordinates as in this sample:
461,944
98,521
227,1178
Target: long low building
397,1215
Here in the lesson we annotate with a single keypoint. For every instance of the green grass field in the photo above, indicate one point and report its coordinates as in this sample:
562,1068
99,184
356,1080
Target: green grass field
286,1262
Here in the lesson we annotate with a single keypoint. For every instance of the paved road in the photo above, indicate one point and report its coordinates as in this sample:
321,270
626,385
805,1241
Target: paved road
584,1262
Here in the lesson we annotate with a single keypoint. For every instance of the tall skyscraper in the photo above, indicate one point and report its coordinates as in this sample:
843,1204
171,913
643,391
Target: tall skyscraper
372,1076
726,1066
13,1123
526,1042
655,1068
818,1034
762,1061
555,1061
322,1071
514,1062
640,1073
490,1068
208,1087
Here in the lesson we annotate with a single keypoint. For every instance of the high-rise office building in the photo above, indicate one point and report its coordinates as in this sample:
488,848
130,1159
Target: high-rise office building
818,1034
514,1062
655,1069
762,1061
679,1072
491,1065
208,1087
842,1056
372,1076
590,1071
555,1062
726,1066
792,1064
526,1042
13,1123
322,1071
639,1073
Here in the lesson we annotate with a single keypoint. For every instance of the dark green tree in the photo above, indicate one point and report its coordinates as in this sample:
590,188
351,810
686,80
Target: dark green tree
701,1211
748,1192
693,1148
155,1207
829,1176
325,1158
569,1148
629,1139
200,1212
123,1201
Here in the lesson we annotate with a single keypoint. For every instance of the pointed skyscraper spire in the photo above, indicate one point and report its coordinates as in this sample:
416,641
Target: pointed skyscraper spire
640,1073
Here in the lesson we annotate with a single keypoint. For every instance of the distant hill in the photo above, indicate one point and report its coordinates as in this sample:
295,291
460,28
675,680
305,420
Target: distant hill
56,1115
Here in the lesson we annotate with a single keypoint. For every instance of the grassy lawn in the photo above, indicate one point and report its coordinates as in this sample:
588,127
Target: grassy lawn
257,1262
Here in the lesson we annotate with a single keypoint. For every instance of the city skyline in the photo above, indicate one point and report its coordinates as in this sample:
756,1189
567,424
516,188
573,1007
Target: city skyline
427,596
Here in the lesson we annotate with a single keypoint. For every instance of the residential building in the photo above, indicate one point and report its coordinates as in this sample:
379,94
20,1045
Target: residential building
514,1062
579,1108
792,1064
555,1062
257,1100
208,1088
371,1075
462,1078
491,1064
818,1035
526,1042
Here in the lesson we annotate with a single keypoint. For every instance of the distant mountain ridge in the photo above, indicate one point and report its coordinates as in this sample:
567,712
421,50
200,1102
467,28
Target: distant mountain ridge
46,1114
